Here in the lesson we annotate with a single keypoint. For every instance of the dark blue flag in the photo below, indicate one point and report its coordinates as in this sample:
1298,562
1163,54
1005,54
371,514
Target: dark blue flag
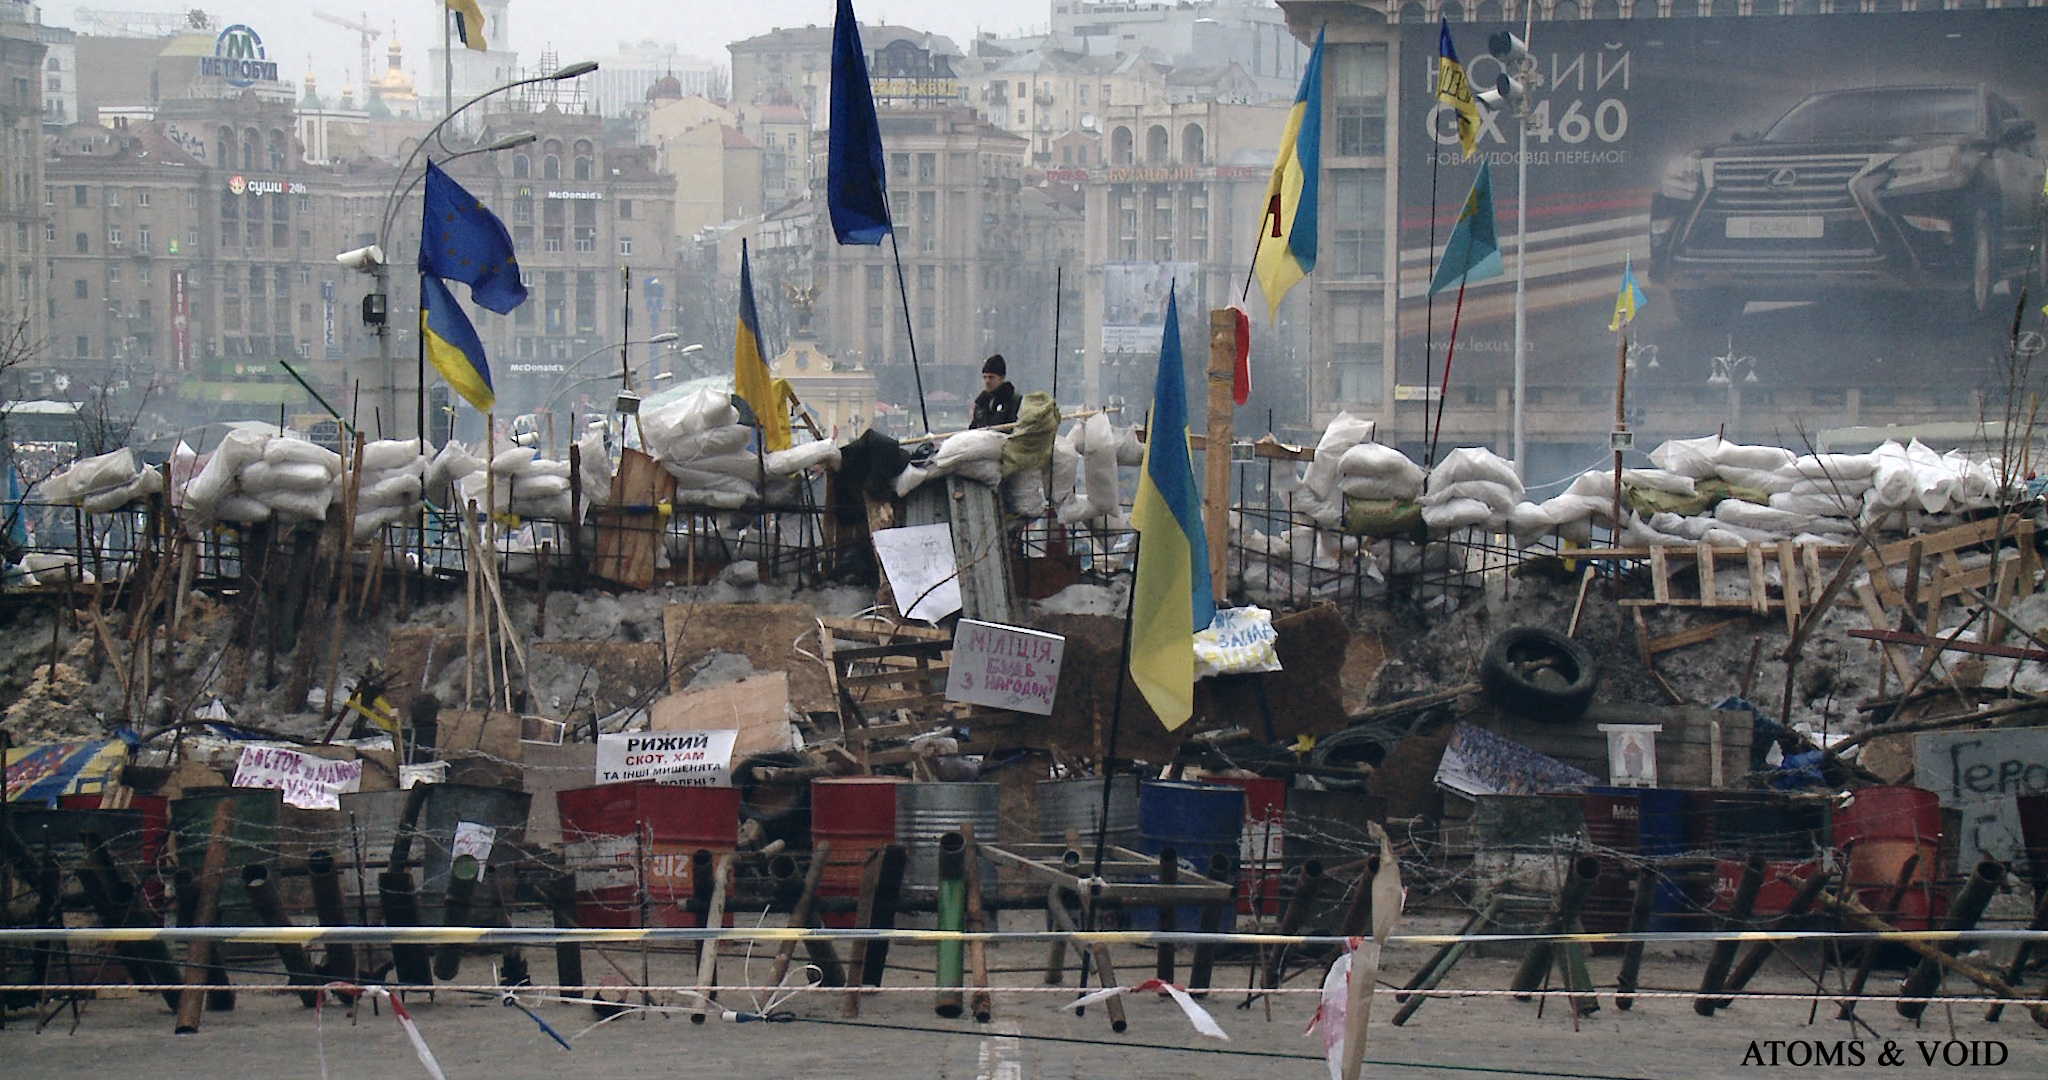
856,187
462,241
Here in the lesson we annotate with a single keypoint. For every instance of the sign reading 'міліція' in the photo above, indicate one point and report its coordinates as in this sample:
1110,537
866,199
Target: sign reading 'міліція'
684,758
1004,667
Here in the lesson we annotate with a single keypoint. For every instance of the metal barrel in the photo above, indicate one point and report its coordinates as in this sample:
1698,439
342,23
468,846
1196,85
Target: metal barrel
926,812
1077,804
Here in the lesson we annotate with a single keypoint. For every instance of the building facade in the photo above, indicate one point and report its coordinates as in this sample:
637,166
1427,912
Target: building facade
23,246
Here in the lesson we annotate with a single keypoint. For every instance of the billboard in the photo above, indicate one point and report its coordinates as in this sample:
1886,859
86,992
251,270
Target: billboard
1856,201
1134,302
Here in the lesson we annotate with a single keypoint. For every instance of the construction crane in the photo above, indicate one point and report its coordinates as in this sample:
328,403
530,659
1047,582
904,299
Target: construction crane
370,36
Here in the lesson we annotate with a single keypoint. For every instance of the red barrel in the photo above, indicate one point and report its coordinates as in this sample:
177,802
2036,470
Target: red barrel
631,846
1613,826
1259,845
858,815
1882,827
1774,897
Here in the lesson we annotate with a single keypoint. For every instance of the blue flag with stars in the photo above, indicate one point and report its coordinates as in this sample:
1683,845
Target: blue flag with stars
462,241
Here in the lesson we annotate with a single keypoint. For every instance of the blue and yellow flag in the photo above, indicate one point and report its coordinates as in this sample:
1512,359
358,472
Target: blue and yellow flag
1630,299
469,23
1173,551
856,177
452,345
1455,90
762,392
1473,252
462,241
1287,233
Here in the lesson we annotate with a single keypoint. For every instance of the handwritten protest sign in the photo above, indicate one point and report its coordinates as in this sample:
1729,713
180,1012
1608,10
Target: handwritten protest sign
475,841
1004,667
922,571
308,782
683,758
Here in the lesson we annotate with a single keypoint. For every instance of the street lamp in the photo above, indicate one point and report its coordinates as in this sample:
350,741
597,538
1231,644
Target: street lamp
1511,91
371,260
563,385
1733,372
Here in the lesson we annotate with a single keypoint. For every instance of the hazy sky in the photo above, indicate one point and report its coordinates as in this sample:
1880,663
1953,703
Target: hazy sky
573,28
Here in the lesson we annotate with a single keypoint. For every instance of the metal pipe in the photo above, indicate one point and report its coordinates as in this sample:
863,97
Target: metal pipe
1753,960
1307,883
1963,914
980,1002
455,908
1847,1007
1446,958
400,903
1203,964
1571,895
2018,966
262,892
568,954
1724,951
951,964
116,900
1169,913
325,877
822,954
1632,953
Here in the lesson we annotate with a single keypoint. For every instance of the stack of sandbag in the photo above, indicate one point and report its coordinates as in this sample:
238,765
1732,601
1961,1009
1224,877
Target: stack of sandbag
1471,486
103,484
700,441
450,465
594,458
976,455
521,483
1096,446
1380,489
390,479
258,473
1320,496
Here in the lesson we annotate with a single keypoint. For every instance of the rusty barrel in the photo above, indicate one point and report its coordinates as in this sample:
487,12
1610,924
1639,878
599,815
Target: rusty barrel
1260,843
1880,828
858,815
631,846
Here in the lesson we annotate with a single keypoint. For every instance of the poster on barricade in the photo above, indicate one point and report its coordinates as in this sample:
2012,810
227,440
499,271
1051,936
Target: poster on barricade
683,758
308,782
1004,667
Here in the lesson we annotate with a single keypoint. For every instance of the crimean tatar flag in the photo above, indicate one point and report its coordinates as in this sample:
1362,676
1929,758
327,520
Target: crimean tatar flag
751,380
1287,233
1455,90
1630,299
1173,552
469,23
452,345
1473,251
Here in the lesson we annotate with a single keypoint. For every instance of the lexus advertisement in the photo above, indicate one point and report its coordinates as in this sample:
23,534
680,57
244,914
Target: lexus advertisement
1853,201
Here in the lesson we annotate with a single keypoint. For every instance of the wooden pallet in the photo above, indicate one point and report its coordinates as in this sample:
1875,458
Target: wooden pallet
1951,578
1799,571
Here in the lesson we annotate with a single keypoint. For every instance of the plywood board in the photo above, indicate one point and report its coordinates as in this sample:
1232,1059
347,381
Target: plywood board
757,707
629,530
768,635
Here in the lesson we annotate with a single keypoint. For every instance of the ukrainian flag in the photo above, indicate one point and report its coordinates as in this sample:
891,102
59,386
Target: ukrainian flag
469,23
1455,90
762,392
452,345
1287,233
1173,552
1630,299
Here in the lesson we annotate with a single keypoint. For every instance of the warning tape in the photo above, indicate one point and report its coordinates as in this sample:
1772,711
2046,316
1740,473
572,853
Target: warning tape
537,936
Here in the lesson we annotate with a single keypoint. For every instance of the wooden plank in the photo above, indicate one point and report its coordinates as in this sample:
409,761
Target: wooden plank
883,629
922,679
1809,555
1660,576
1691,636
1704,559
1216,465
629,530
1874,611
898,649
1901,637
1788,573
757,706
1759,593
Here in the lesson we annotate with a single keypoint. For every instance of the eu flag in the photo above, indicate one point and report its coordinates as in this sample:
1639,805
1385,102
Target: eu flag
452,345
856,185
462,241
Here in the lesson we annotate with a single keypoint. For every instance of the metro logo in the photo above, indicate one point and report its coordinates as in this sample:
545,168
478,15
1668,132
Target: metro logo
238,57
239,43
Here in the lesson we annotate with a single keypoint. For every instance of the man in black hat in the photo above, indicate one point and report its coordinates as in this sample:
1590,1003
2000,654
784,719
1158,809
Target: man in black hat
997,403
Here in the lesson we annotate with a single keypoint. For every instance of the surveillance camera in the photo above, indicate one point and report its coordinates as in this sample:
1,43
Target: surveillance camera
1492,99
364,259
1510,91
1508,49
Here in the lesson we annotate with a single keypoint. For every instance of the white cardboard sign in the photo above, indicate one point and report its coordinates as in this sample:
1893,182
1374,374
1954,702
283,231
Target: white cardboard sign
308,782
922,571
683,758
1005,667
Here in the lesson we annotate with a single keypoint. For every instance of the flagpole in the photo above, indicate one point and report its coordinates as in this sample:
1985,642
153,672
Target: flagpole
1059,277
1116,713
1620,415
1444,392
910,332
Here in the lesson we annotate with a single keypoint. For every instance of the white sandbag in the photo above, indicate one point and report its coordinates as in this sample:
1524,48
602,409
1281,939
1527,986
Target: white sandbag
1688,457
451,464
397,489
146,483
216,478
1934,480
1024,493
548,467
1096,441
1529,522
1723,534
1660,480
537,486
1392,470
183,464
1066,470
909,480
375,518
386,454
1840,486
978,445
1731,455
1344,433
981,472
513,461
241,509
1572,508
1689,528
1750,515
1474,463
90,476
1381,487
1593,484
1130,451
693,482
1638,533
554,507
1455,514
262,477
1765,481
707,408
1837,466
687,447
287,450
744,466
596,463
1497,497
797,459
304,505
1815,504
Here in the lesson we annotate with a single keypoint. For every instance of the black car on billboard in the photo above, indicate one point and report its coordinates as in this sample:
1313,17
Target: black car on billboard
1883,189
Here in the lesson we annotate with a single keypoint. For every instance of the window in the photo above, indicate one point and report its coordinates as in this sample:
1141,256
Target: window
1357,352
49,195
80,290
230,206
625,209
280,236
583,168
305,238
522,209
82,346
143,309
231,313
142,237
144,275
1357,227
49,232
927,277
625,245
899,167
305,204
113,275
586,238
113,196
192,199
113,236
875,279
551,240
78,196
83,243
1358,99
927,168
551,167
586,302
192,235
874,316
279,209
141,196
305,276
522,167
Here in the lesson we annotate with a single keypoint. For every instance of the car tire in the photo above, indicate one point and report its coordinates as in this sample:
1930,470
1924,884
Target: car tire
1539,674
1981,270
1709,309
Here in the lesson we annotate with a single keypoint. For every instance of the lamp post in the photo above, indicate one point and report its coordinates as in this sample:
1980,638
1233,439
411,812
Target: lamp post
1519,74
1733,372
372,259
562,384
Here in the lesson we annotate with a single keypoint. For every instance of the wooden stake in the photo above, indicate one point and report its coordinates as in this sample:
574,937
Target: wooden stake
199,954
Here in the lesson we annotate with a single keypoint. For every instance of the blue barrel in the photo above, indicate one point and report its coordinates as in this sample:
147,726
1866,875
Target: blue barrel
1660,833
1197,821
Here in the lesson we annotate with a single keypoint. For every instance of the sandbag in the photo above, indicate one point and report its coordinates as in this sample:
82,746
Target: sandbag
691,481
1765,482
399,489
1842,486
262,477
375,518
1687,457
1817,504
1474,463
513,461
1096,441
1528,522
1380,460
978,445
1691,528
1660,480
711,442
548,467
1731,455
1381,517
1130,450
1345,432
286,450
1455,514
386,454
451,464
1380,487
1497,497
1030,443
241,509
909,480
804,456
1835,466
1652,502
1593,484
1749,515
304,505
707,408
90,476
146,483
